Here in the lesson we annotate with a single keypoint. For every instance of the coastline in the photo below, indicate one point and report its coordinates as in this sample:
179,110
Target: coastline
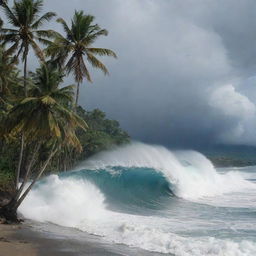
36,239
21,239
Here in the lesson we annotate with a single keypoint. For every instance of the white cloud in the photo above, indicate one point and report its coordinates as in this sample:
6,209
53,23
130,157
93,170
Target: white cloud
237,108
232,103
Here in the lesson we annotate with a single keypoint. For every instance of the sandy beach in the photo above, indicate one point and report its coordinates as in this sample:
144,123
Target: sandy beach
27,240
11,244
22,240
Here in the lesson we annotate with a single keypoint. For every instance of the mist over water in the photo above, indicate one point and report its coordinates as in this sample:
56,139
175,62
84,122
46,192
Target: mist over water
149,197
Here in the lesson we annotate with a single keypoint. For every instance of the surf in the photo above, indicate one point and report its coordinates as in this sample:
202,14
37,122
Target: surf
190,174
146,196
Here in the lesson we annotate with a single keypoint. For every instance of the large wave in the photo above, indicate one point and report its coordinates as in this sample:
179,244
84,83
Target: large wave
146,176
189,174
125,187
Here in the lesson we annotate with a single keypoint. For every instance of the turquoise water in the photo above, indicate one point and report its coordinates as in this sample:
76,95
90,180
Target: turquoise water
129,187
148,197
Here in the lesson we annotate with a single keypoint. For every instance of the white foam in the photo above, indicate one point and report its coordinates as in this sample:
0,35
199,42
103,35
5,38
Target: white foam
154,239
65,202
80,205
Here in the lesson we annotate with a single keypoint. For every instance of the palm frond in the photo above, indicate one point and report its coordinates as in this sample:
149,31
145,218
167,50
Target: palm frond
96,63
8,30
39,53
85,71
48,100
45,33
102,52
37,6
27,100
90,39
64,95
66,28
72,117
44,41
10,15
9,38
46,17
54,126
13,48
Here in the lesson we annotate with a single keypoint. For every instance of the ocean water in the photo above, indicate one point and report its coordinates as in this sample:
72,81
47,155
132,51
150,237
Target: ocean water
147,197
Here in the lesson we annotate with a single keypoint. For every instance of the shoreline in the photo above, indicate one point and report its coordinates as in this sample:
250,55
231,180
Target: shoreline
39,239
22,239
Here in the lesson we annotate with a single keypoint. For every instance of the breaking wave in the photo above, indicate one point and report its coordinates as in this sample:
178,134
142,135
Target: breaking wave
141,176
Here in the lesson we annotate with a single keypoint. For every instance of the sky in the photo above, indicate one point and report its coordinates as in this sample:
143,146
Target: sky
185,73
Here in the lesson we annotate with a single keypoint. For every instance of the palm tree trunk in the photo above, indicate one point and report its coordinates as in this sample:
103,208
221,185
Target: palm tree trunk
28,171
25,76
20,200
77,94
9,211
17,173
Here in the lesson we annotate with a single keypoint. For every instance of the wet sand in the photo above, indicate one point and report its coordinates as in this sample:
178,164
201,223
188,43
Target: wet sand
21,240
10,244
32,239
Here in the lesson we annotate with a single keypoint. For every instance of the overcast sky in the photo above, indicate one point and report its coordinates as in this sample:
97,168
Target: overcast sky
185,69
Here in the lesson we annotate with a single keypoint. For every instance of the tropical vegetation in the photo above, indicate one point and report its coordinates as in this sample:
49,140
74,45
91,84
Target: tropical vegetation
42,128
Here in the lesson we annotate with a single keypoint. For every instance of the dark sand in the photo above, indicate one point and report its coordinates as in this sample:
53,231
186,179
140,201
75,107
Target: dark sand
12,245
28,239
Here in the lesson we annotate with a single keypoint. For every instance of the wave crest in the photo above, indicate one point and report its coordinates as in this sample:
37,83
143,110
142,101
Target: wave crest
191,175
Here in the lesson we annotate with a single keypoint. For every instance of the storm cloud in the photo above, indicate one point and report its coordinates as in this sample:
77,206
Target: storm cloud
185,69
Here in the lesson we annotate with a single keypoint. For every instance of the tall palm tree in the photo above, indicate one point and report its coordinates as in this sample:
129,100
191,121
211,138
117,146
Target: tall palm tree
46,120
24,33
76,45
25,30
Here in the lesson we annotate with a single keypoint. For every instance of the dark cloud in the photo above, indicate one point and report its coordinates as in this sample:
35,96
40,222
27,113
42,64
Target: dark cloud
183,68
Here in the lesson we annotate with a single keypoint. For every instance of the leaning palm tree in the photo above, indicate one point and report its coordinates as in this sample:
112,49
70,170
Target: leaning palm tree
25,30
78,44
24,33
46,121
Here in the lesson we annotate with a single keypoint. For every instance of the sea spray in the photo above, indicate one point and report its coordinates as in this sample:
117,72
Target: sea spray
64,201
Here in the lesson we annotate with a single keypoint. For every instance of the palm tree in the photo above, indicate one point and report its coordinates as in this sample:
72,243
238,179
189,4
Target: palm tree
25,32
78,44
46,121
